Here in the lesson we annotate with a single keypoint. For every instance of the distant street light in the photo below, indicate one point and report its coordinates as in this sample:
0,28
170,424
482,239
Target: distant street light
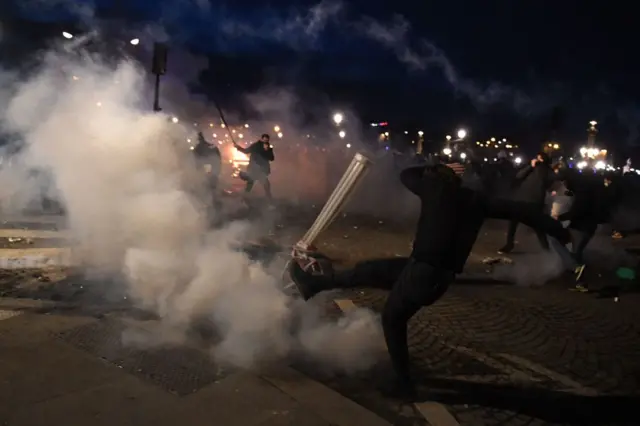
446,151
463,155
67,35
338,118
276,129
280,135
420,133
342,134
448,137
462,134
175,119
135,41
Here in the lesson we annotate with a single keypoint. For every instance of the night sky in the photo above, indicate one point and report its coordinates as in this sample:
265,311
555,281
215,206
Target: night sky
521,68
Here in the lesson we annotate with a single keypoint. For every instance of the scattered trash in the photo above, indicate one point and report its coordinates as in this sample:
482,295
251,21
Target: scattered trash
20,240
493,260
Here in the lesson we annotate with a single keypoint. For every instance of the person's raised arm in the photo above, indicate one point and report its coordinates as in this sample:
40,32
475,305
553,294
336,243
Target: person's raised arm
524,172
243,150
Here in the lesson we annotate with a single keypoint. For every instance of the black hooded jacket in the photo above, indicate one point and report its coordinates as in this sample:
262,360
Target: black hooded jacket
593,203
259,157
452,214
533,183
206,153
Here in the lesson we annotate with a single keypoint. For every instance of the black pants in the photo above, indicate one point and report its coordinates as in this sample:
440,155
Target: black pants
412,285
580,242
250,180
511,236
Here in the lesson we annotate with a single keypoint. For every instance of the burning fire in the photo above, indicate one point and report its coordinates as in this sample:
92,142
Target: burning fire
239,158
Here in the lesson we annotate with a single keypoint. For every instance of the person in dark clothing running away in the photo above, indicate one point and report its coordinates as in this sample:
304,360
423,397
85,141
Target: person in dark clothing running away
260,156
535,179
451,216
209,160
592,205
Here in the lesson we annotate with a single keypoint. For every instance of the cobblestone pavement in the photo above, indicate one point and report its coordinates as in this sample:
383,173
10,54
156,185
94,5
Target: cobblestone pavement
518,356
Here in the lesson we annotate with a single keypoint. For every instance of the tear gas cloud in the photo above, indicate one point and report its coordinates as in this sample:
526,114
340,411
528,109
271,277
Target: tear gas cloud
134,205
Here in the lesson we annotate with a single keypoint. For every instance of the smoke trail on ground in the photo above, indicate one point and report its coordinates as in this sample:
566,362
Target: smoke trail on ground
530,270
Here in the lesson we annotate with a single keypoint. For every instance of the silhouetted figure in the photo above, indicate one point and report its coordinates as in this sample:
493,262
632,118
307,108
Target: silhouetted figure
260,156
533,182
451,216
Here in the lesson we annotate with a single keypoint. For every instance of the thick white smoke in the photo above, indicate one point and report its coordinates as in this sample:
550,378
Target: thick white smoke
133,201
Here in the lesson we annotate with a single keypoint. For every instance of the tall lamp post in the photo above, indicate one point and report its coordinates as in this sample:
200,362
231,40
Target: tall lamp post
158,68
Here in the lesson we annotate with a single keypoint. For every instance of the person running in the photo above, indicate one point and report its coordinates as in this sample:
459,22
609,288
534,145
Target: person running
260,157
451,216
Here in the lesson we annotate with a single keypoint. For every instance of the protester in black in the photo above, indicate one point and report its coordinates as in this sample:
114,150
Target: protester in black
450,219
260,156
592,205
534,181
209,161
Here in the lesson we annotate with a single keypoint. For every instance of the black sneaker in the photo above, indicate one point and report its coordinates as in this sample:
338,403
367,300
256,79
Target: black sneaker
506,249
308,284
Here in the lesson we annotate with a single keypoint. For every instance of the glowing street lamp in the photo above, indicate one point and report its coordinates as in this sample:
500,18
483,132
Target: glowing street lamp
593,123
421,133
280,135
448,137
348,145
175,119
135,41
462,134
67,35
338,118
446,151
518,160
463,155
276,129
342,134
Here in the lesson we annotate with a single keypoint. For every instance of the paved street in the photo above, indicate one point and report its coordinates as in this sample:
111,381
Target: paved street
486,354
68,368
